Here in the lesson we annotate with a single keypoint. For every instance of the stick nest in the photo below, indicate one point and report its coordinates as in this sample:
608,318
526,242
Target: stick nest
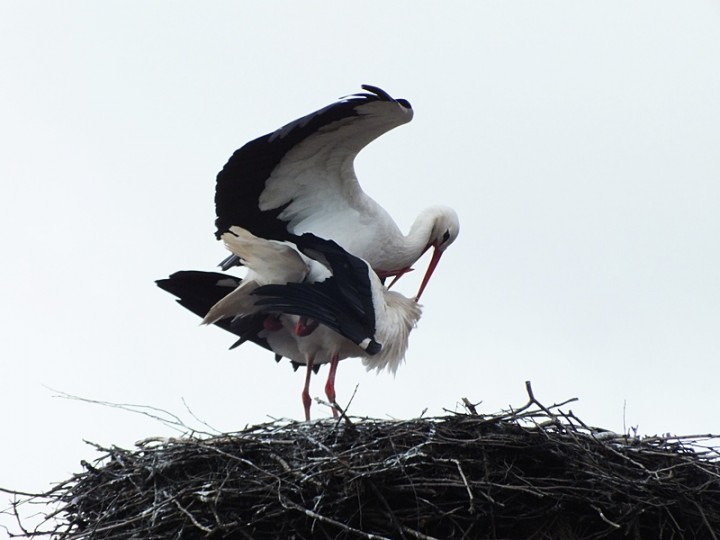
531,473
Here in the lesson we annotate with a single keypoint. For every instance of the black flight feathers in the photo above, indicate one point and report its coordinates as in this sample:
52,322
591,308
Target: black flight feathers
343,302
381,95
242,179
199,291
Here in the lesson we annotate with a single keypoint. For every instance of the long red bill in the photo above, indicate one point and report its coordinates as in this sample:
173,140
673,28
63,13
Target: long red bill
431,268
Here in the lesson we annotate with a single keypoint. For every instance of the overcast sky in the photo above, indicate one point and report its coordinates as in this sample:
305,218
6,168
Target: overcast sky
578,142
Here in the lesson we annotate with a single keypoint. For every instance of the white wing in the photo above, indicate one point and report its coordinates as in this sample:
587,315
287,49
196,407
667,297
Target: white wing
301,177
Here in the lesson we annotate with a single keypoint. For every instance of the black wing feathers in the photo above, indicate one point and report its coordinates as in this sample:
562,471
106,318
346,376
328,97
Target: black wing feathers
351,274
343,303
198,291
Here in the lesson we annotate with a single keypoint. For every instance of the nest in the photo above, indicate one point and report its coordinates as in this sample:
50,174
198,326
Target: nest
531,473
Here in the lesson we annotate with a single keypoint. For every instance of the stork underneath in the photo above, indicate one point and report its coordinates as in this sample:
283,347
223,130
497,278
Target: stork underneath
301,179
315,306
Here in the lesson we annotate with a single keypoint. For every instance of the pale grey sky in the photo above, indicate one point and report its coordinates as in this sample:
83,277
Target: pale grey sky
578,142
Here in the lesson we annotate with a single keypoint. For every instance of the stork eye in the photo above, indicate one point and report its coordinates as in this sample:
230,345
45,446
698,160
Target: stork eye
446,237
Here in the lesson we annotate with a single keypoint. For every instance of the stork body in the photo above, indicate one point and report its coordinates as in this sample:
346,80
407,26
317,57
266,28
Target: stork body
301,179
357,315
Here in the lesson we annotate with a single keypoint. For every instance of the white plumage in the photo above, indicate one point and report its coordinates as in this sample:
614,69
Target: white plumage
301,178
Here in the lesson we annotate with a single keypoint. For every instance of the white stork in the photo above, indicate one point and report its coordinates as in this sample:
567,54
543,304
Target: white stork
356,315
301,179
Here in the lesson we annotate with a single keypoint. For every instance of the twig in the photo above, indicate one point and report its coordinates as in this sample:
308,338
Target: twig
192,518
343,416
325,519
602,516
531,395
705,521
203,422
21,493
417,534
470,406
169,419
470,493
389,510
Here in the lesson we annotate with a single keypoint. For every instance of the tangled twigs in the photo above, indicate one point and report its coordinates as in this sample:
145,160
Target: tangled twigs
535,472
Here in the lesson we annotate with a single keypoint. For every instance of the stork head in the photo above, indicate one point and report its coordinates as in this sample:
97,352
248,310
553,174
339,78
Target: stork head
445,229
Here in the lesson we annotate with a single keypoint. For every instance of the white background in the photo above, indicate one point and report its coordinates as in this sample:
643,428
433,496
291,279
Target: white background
578,142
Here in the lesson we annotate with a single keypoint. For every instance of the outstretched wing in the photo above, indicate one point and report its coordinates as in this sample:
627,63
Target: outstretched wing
198,291
343,302
276,185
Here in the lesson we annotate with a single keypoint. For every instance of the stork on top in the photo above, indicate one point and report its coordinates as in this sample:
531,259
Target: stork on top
301,179
357,316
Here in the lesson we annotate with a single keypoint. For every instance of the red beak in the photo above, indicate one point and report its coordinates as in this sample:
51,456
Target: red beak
431,268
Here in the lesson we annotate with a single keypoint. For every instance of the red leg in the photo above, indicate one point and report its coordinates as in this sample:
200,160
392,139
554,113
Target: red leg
330,384
306,389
